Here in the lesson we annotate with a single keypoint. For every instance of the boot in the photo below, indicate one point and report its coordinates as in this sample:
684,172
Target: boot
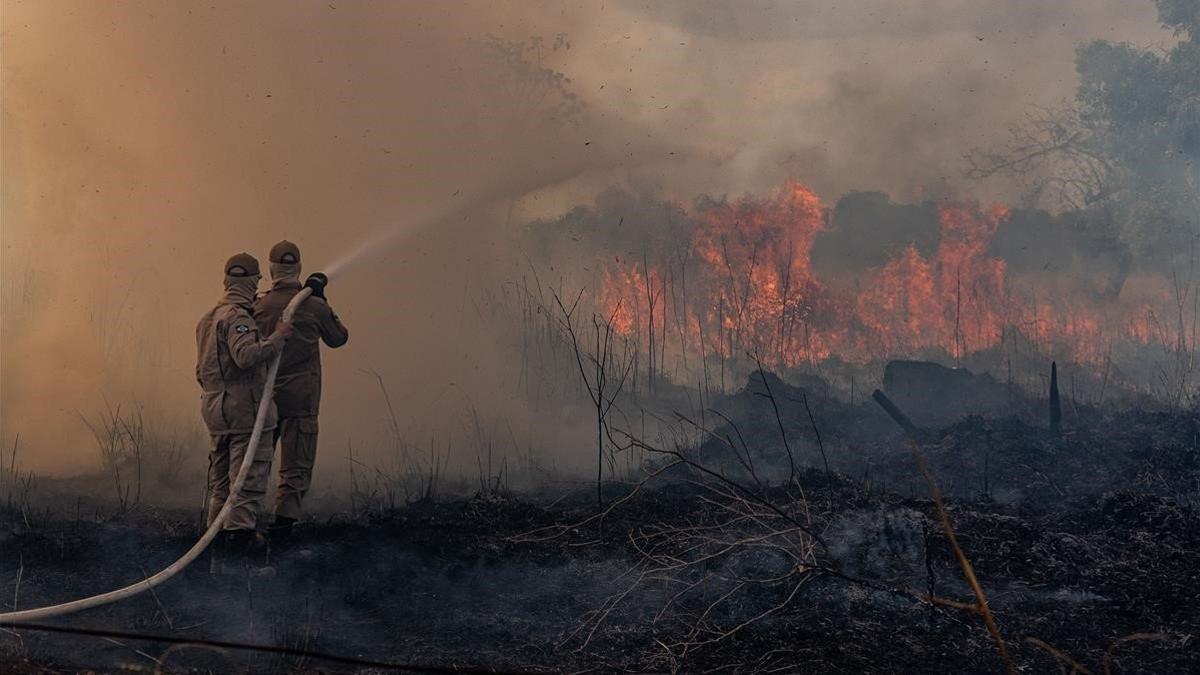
280,537
258,555
280,533
243,552
225,559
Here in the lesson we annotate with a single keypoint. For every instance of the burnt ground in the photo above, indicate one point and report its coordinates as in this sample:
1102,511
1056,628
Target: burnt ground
1087,544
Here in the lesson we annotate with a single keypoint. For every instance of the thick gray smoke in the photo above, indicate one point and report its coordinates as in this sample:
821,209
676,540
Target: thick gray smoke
144,143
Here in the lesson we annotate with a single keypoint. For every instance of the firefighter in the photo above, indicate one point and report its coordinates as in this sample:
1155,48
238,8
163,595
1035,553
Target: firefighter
231,367
298,387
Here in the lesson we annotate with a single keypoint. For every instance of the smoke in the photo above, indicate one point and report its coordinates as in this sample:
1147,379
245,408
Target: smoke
844,96
145,143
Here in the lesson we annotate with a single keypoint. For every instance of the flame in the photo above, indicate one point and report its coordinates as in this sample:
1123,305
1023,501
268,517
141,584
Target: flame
953,301
757,293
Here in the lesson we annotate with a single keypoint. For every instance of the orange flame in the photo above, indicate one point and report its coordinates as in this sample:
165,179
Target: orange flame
757,293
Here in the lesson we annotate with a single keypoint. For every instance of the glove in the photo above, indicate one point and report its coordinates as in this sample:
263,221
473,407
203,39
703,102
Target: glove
317,282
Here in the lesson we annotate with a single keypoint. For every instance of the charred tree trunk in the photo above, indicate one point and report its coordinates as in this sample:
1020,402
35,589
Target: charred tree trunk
897,415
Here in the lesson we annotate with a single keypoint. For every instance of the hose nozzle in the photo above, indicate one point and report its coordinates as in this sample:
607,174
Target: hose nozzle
317,281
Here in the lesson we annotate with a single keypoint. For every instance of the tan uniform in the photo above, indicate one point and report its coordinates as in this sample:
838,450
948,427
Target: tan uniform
231,366
298,386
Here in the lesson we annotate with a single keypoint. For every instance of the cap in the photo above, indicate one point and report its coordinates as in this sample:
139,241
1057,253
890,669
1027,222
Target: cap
285,252
242,265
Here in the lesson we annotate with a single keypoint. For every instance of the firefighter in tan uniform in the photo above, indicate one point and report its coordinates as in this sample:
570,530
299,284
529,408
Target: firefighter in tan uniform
231,366
298,386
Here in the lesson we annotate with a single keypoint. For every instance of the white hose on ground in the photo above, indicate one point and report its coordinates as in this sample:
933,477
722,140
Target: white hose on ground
209,534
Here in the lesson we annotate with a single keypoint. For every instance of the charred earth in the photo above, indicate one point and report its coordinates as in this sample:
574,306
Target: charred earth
790,531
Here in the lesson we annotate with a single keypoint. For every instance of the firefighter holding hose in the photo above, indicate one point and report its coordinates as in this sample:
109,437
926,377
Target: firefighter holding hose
231,367
298,387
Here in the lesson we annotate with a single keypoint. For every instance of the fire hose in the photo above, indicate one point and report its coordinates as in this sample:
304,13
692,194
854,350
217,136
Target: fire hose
213,529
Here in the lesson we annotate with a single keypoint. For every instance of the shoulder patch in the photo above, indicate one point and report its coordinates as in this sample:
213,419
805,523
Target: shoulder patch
242,329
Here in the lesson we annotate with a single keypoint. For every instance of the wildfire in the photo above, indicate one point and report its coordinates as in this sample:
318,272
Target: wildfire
750,287
953,301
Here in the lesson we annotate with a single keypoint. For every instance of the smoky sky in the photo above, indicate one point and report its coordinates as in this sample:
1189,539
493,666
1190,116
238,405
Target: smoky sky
843,95
143,143
795,20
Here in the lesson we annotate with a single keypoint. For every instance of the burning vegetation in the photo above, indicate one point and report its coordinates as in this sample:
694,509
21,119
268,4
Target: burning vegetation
800,429
744,282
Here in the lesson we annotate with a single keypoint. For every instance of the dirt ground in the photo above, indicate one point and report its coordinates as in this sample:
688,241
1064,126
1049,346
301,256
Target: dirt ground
1086,544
